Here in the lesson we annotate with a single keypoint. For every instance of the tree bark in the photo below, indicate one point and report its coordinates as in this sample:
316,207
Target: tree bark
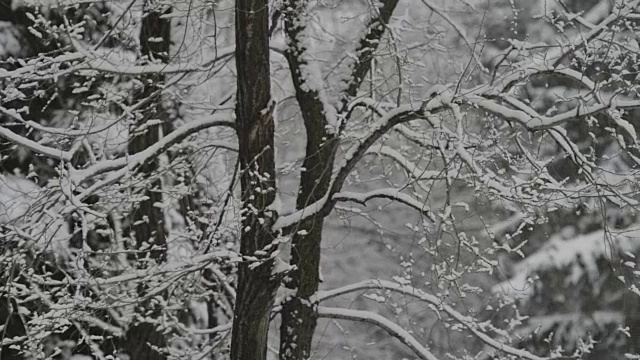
255,127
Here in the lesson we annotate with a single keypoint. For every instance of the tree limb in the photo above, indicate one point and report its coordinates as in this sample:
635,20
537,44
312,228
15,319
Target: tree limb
467,321
390,327
156,149
389,193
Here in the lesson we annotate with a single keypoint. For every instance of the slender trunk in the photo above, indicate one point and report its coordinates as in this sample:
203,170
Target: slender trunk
147,218
299,316
255,128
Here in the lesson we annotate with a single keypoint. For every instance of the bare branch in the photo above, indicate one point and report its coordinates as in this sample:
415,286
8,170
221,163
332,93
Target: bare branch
413,171
458,29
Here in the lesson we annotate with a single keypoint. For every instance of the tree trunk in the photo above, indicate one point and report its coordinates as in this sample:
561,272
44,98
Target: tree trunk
255,128
299,316
148,219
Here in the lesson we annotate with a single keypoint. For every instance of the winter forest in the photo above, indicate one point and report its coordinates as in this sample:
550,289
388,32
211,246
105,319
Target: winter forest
319,179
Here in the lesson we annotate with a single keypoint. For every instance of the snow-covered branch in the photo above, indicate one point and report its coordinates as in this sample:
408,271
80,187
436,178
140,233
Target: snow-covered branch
391,194
196,263
104,65
156,149
323,206
541,122
34,66
352,156
86,60
394,117
437,303
390,327
53,153
621,10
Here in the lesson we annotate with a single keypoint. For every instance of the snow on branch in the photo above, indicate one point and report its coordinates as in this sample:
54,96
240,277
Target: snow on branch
581,40
306,73
394,117
438,304
323,206
14,114
369,103
389,193
195,263
601,13
368,44
541,122
390,327
156,149
486,97
104,65
34,66
559,253
502,85
399,115
53,153
214,330
86,60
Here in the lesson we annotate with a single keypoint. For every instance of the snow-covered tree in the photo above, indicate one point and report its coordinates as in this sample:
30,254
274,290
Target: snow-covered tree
199,151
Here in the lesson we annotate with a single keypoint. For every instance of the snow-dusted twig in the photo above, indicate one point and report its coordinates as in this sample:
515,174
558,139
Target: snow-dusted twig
33,66
582,40
196,263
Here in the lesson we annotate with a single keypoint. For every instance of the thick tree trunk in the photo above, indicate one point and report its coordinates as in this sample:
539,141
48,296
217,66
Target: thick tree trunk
148,219
255,127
